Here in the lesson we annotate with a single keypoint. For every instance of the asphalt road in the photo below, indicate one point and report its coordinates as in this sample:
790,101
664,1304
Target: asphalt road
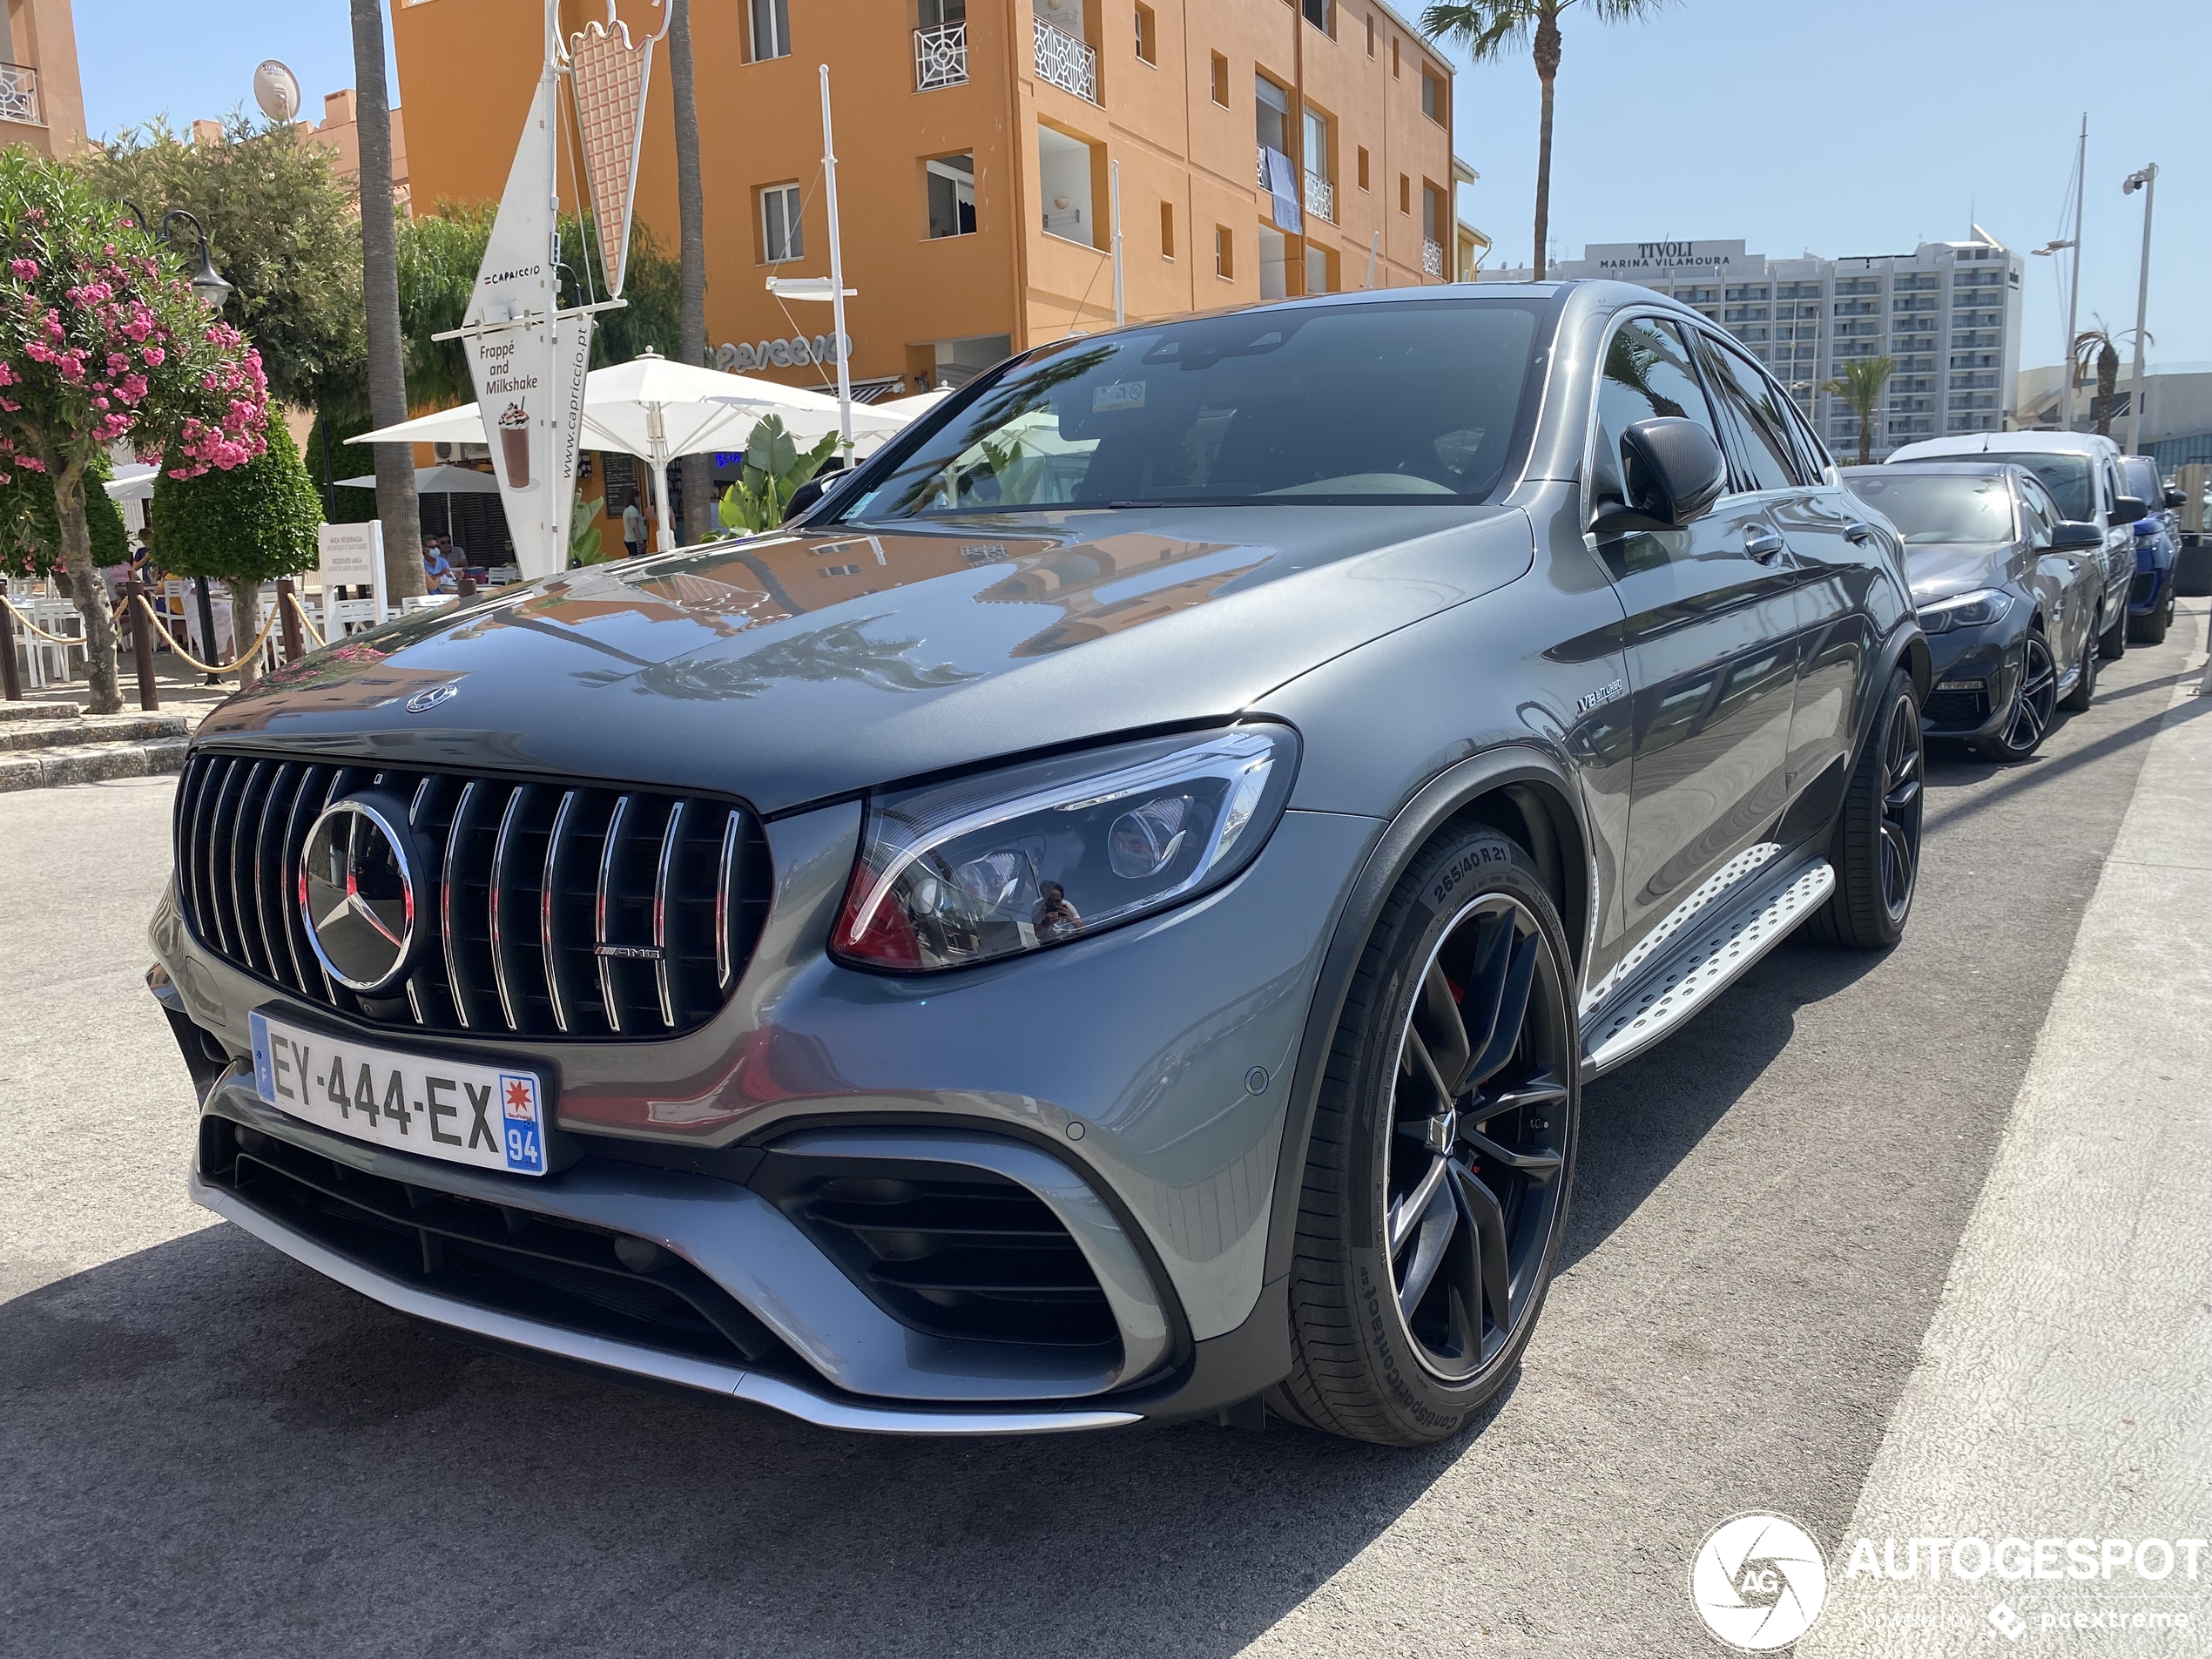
205,1449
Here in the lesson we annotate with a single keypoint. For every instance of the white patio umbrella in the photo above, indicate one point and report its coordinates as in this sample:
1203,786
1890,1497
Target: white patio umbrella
437,480
656,410
133,482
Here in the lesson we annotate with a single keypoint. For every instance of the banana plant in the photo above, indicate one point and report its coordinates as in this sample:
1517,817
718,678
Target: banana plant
584,535
774,468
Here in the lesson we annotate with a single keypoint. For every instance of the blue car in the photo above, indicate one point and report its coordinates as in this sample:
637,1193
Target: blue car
2150,601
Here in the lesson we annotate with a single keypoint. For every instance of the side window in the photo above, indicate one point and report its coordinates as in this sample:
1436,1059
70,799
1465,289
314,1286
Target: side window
1647,374
1765,450
2034,518
1809,447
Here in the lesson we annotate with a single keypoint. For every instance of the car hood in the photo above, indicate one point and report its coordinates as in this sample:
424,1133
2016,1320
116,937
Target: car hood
795,667
1937,569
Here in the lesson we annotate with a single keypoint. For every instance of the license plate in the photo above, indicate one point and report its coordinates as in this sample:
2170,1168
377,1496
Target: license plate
492,1118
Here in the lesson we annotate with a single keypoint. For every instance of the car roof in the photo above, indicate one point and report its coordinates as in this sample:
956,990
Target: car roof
2018,443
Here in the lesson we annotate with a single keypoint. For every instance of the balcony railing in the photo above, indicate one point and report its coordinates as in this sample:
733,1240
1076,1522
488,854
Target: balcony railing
940,57
1433,257
1320,197
19,94
1066,62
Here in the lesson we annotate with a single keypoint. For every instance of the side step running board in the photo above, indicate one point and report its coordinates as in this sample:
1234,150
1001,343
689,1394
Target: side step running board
1704,965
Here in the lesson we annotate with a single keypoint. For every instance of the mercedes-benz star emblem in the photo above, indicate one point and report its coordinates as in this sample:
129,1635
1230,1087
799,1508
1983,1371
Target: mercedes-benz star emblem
424,701
357,891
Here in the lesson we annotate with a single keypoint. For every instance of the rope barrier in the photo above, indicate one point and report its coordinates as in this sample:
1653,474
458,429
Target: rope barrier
306,622
250,653
56,639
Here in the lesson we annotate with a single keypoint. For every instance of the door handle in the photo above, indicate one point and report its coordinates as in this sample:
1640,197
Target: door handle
1858,533
1762,543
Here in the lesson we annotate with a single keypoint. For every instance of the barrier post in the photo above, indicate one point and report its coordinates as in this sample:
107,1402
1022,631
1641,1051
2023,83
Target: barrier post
142,645
287,609
10,679
207,626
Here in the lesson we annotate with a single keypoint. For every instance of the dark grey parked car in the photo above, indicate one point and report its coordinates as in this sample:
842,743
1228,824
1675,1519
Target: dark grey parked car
2009,594
1107,919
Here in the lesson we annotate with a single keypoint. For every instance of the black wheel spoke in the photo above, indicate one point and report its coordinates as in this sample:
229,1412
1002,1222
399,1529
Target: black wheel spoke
1540,1089
1513,1010
1439,1219
1902,796
1406,1213
1486,992
1423,1065
1485,1220
1542,1163
1446,1029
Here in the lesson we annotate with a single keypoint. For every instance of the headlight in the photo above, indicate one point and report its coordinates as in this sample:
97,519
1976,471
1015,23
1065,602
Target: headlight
1975,610
966,871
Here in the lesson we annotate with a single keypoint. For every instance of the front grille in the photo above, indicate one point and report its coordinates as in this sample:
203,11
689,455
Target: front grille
545,1268
973,1255
1956,708
546,910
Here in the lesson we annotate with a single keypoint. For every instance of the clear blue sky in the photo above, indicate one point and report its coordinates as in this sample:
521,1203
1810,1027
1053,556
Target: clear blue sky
1840,129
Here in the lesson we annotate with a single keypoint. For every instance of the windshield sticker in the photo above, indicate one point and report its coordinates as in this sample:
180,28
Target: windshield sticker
1122,395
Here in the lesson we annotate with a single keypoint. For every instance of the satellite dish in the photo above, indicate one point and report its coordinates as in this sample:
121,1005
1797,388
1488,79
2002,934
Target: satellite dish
276,89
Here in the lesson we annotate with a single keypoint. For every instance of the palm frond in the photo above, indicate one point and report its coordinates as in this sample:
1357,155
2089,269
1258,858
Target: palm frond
1484,29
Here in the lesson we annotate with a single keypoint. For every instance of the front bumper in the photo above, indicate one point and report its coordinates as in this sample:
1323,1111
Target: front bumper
1974,672
1134,1083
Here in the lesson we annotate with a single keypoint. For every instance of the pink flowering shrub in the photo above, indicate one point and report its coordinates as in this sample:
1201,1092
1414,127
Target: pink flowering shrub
101,340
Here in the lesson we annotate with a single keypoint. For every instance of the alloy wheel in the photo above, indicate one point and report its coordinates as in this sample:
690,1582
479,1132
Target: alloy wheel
1903,753
1480,1108
2037,699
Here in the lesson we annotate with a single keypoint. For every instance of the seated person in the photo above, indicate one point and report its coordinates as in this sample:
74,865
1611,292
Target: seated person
437,572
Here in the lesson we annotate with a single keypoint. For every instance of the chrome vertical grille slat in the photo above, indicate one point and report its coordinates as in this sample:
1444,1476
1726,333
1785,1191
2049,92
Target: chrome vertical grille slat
725,884
661,874
530,877
501,877
555,844
449,906
599,901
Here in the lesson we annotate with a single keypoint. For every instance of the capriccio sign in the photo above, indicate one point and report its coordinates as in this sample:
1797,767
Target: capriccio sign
795,353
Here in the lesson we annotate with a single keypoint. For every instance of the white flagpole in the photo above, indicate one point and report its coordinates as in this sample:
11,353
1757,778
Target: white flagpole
549,513
837,286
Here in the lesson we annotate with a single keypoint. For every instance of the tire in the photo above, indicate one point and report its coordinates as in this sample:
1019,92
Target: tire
2034,705
1875,851
2077,701
1392,1230
2151,629
2112,644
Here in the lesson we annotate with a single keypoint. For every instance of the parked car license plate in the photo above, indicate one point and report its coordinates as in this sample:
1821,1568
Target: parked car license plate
436,1108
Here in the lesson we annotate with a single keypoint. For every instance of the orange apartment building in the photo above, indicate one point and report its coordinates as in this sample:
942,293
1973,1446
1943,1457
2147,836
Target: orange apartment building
974,142
42,103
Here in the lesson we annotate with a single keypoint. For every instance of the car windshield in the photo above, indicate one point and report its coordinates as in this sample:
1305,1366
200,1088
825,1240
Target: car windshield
1382,402
2069,477
1934,507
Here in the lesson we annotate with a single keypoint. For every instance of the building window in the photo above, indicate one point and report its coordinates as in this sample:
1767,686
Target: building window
1272,114
952,195
1148,36
1225,253
781,236
1405,194
1394,58
1221,80
1318,277
771,30
1167,230
1064,170
1371,34
1433,96
1322,14
1363,167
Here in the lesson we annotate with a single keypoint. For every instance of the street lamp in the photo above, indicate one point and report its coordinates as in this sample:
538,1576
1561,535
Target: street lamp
206,282
2145,180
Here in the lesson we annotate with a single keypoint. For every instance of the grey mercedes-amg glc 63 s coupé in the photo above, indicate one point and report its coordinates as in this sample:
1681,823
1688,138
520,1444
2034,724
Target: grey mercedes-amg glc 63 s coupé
1105,916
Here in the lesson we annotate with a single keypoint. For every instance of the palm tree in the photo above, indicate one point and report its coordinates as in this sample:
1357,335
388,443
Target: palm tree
695,471
396,503
1490,29
2101,346
1861,388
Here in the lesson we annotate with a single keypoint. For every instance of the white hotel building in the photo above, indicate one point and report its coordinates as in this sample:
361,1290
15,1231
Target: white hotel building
1948,314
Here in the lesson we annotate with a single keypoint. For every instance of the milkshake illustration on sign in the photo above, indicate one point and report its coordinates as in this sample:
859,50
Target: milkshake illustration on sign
515,445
